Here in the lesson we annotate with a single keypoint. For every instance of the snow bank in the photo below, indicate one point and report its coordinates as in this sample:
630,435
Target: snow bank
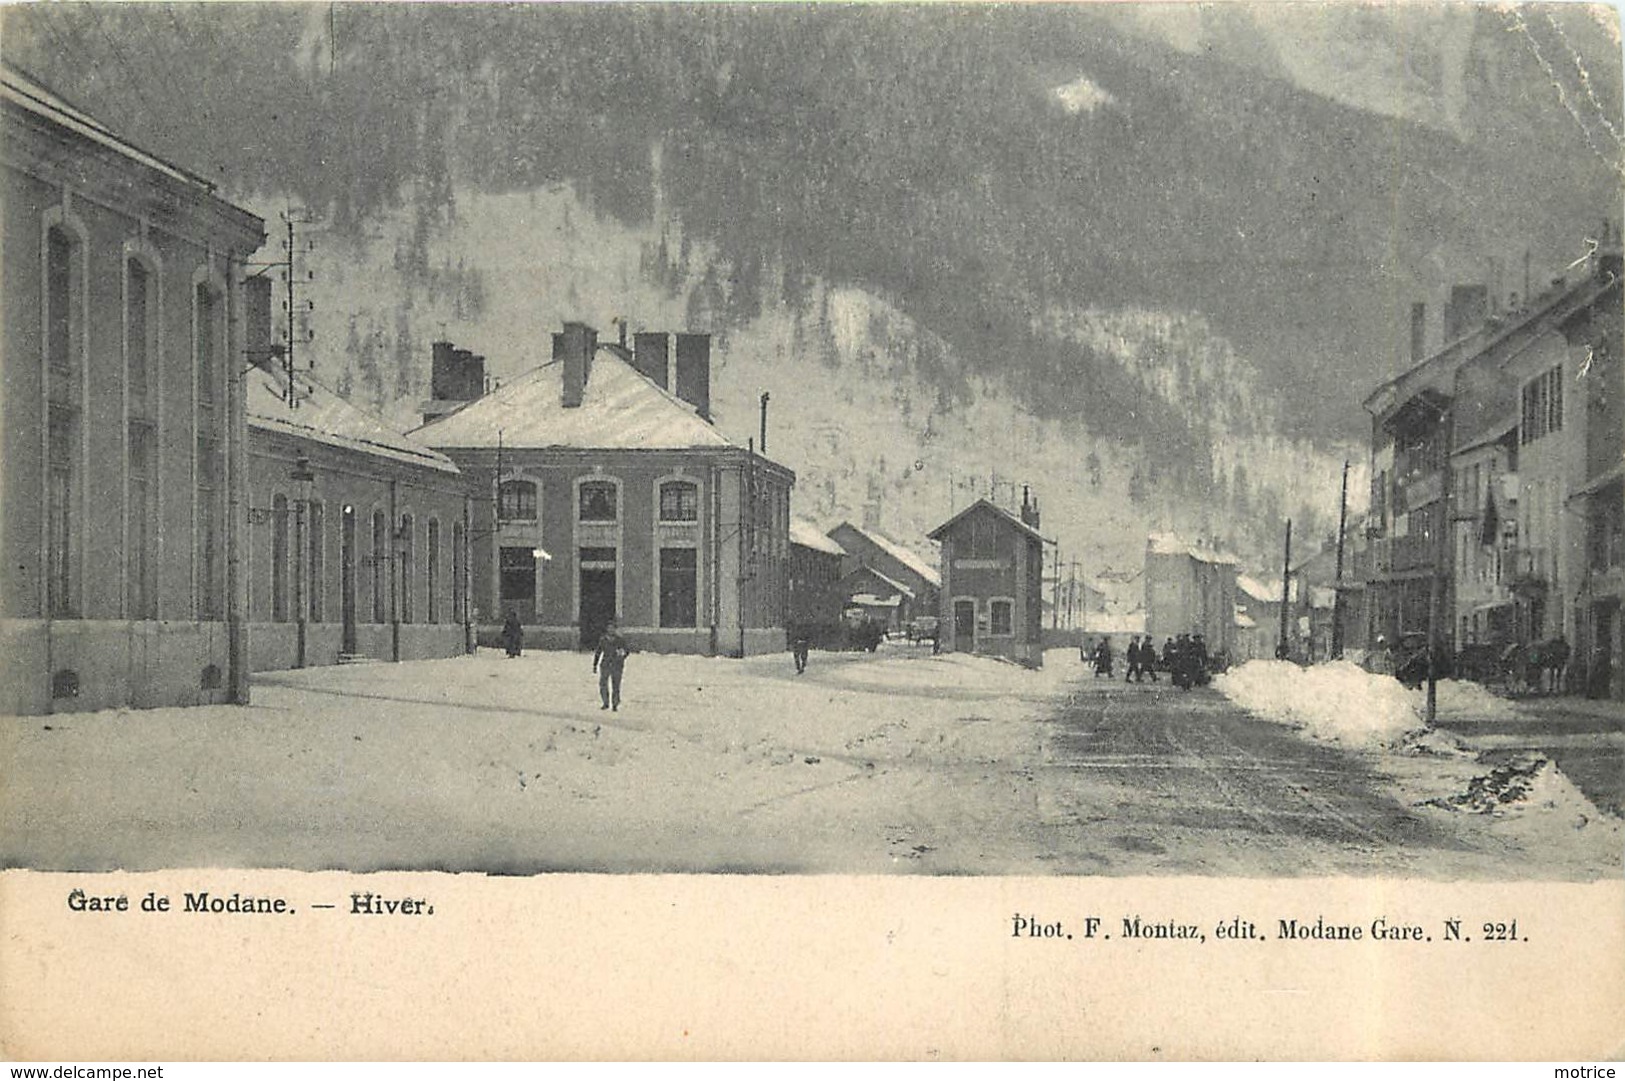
1527,782
1337,701
1342,702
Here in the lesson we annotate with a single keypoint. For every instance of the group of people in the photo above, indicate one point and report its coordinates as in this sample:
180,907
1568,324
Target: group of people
1186,659
608,659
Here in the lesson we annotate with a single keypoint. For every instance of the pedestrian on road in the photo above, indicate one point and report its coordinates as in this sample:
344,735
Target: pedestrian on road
798,649
608,661
1131,673
513,635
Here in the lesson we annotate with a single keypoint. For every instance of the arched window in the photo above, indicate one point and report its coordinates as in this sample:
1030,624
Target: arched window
597,501
64,331
317,565
140,350
408,559
433,570
679,501
458,602
516,501
380,562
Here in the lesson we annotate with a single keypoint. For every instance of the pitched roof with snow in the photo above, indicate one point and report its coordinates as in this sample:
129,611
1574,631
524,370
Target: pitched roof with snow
806,534
885,579
326,417
1170,544
620,409
987,504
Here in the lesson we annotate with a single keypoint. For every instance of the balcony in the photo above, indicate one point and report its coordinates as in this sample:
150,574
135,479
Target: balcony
1397,555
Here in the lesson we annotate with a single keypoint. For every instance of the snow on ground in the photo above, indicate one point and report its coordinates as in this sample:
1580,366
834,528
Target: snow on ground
1343,703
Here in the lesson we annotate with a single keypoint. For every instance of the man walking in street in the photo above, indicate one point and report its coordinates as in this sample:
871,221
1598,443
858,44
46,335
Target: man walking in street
798,649
608,661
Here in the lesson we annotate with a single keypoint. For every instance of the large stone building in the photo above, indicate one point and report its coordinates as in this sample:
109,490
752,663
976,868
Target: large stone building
121,427
602,490
991,601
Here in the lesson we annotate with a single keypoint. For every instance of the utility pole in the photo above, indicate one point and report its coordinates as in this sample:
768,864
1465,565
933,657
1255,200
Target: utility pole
1055,599
290,278
1283,649
1337,580
765,397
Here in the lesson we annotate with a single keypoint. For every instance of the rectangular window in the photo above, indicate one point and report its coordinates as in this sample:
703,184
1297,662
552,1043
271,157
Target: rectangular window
434,571
279,559
316,566
59,301
999,621
602,559
135,327
679,590
1542,411
142,525
679,502
61,522
518,567
597,501
210,586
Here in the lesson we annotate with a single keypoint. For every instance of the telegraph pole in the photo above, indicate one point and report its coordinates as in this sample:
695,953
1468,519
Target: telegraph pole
1283,649
1337,580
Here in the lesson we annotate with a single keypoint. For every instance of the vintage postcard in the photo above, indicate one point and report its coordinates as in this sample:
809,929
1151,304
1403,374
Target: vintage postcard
716,531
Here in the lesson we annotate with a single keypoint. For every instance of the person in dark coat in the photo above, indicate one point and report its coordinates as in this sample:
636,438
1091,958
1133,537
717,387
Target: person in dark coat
799,647
1131,658
608,661
1184,655
513,635
1103,658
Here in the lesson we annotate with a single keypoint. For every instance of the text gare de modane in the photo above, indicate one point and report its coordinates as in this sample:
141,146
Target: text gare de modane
236,903
1239,929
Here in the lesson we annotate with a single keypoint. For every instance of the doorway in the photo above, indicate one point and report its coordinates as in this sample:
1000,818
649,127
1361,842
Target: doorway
965,626
597,588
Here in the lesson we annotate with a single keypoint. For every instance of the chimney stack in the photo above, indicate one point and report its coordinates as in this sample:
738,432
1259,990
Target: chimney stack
1029,508
1468,307
1419,331
693,378
575,348
650,353
257,321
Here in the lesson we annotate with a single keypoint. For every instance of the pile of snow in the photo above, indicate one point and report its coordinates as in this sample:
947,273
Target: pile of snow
1342,702
1526,782
1337,701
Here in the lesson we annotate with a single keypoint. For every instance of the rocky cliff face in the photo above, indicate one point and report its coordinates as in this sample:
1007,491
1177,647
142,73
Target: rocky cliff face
1144,260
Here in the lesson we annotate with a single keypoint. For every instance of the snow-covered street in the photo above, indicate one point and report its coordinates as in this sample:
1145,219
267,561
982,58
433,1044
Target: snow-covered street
893,763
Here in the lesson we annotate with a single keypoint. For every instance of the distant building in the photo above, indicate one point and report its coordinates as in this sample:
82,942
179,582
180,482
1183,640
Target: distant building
121,418
1190,588
878,598
991,598
603,491
358,534
815,598
896,564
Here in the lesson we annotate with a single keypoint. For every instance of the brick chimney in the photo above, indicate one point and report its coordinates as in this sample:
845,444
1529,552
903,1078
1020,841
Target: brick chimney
1029,508
693,376
1466,310
650,352
574,348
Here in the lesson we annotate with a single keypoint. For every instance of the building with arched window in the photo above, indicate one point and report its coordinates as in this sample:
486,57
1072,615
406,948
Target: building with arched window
120,280
602,490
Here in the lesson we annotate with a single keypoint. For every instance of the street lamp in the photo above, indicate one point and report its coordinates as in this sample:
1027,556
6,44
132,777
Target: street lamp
304,481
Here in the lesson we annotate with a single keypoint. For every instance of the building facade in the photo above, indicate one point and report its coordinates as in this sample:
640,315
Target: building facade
1492,461
991,600
814,595
920,583
358,535
600,494
1190,589
122,419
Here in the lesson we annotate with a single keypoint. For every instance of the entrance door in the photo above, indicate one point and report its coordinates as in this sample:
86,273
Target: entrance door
518,583
597,593
1601,674
965,626
347,579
